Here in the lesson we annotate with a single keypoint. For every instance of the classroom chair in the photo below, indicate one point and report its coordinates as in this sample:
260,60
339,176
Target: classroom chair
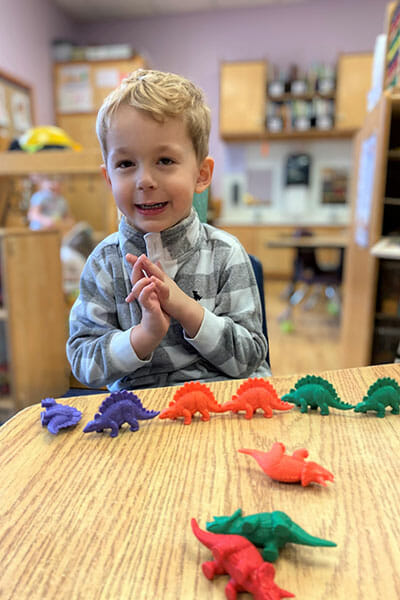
315,280
259,273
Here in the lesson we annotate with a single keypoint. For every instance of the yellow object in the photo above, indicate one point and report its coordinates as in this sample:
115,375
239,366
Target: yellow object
38,137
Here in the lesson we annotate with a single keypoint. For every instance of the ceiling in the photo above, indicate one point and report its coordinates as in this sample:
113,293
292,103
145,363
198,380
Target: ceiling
94,10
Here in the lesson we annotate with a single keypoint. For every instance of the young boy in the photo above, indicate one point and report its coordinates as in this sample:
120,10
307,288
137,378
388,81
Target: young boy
166,299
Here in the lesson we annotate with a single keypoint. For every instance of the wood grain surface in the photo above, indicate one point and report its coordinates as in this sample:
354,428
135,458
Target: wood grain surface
86,516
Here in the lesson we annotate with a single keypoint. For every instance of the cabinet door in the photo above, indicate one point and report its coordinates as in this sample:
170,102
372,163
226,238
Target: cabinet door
243,93
37,315
360,277
353,84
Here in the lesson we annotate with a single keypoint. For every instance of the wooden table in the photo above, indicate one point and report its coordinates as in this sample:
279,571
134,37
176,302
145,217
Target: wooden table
88,516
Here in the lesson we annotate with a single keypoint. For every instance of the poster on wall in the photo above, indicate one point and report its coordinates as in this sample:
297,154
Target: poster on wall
74,89
334,185
365,188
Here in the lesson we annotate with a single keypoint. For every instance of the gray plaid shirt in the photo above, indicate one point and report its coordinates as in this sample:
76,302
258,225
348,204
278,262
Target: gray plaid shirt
209,265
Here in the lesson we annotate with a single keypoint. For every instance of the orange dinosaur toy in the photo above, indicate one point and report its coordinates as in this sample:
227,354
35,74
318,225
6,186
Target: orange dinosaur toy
192,397
289,469
253,394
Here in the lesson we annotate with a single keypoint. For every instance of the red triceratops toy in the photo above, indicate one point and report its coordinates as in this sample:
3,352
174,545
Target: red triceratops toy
289,469
239,558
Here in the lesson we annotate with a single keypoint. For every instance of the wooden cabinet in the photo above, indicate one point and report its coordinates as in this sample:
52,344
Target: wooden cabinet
278,262
354,74
33,317
243,100
371,312
79,90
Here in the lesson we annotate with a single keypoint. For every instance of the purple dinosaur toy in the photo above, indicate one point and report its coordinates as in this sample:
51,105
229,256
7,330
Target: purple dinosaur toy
56,416
116,409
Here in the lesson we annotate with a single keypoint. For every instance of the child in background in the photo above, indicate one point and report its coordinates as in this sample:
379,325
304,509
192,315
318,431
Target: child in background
48,209
166,299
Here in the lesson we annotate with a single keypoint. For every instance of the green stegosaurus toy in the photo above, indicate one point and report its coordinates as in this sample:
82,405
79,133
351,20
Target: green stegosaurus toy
315,392
384,392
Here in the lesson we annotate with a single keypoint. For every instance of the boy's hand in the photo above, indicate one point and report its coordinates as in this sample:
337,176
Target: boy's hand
155,322
173,300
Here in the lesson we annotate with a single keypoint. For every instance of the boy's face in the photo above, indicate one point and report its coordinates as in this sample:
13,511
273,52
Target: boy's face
152,169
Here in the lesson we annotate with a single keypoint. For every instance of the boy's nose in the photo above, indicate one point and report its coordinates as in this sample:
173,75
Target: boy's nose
145,181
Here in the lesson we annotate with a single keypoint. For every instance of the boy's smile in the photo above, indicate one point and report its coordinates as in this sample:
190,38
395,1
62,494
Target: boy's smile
152,169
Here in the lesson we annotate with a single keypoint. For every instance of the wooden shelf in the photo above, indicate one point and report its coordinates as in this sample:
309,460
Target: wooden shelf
50,161
287,97
310,134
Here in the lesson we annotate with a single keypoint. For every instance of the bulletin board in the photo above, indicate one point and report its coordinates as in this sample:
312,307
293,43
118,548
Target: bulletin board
16,108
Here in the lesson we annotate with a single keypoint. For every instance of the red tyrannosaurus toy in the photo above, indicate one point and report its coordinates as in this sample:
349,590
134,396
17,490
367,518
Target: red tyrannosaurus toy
239,558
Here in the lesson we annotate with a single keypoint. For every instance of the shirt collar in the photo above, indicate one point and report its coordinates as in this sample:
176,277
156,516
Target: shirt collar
168,246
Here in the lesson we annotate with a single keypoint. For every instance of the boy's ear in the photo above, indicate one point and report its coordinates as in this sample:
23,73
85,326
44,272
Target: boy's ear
105,174
205,174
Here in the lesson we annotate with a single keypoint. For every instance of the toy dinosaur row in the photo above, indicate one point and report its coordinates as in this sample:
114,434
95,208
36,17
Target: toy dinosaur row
269,531
289,469
384,392
116,409
195,397
239,558
315,391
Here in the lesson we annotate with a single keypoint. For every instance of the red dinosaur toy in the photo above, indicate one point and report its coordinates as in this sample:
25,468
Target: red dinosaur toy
256,393
289,469
190,398
239,558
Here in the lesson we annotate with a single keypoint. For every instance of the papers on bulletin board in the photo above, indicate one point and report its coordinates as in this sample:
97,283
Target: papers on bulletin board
21,111
365,188
74,90
107,78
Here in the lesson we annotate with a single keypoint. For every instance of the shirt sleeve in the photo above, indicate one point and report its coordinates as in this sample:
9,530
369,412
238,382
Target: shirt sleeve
230,337
98,350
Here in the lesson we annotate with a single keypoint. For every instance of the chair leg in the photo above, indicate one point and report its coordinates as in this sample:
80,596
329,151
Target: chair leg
312,300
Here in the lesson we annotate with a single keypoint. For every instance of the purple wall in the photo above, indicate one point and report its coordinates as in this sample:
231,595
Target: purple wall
195,44
192,44
26,30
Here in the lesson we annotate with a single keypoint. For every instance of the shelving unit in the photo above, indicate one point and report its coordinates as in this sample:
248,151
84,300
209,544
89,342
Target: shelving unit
33,317
244,100
371,316
87,193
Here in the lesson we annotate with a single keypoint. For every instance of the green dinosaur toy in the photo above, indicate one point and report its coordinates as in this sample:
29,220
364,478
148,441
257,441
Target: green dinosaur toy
384,392
314,391
270,531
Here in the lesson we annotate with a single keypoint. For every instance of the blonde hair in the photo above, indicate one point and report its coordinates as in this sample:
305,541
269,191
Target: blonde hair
162,95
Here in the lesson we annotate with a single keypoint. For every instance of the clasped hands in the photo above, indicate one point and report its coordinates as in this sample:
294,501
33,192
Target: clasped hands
160,299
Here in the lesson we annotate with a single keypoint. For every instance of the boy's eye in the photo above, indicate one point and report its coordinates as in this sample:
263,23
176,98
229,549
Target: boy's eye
166,161
124,164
